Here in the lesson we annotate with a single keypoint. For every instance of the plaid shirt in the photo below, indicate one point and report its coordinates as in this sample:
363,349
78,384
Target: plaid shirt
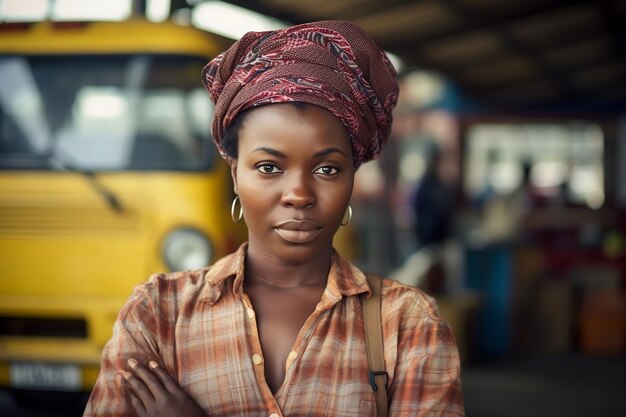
201,327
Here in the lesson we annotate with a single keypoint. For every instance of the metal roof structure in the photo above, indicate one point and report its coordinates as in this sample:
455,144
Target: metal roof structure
505,53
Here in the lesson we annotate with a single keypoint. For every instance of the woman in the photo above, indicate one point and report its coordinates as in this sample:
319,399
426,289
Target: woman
277,327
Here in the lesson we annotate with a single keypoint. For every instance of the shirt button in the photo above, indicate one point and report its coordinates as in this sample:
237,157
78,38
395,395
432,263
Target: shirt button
293,354
257,359
250,313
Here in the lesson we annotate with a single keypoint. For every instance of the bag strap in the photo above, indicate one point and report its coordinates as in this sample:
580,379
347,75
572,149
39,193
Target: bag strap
374,344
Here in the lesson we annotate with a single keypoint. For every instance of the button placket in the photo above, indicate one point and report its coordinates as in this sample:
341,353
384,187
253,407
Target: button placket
252,333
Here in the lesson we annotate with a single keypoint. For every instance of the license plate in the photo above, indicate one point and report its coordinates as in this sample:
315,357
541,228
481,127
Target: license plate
45,376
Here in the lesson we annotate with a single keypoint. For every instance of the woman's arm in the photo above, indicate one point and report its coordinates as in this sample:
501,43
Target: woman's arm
427,372
137,337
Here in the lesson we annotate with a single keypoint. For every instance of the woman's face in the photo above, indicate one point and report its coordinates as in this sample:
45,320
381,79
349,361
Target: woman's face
294,177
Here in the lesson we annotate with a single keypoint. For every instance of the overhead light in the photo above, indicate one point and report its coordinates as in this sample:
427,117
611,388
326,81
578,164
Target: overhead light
231,21
158,10
112,10
23,11
396,61
64,10
424,88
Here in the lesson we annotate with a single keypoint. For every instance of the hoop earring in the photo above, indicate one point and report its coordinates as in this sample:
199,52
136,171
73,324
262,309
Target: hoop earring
349,211
239,216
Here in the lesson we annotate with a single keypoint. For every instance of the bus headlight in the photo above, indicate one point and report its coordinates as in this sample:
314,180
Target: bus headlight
185,249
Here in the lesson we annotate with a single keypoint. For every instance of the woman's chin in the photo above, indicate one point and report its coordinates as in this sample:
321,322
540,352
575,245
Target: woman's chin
293,251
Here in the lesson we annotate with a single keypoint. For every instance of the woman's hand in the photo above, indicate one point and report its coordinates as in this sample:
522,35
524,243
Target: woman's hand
154,393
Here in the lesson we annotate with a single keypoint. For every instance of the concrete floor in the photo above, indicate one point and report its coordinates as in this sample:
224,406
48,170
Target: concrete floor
572,386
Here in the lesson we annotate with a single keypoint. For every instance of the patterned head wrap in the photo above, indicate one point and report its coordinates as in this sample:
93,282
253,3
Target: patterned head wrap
332,64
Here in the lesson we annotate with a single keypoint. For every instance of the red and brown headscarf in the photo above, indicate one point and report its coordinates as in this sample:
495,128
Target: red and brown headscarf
332,64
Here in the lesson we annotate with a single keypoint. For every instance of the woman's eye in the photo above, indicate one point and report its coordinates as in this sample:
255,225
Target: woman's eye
268,169
327,170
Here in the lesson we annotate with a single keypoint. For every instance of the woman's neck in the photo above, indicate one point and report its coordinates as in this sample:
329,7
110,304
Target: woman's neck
263,268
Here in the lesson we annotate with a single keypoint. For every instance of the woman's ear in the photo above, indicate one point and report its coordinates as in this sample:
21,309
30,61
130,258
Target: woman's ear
233,173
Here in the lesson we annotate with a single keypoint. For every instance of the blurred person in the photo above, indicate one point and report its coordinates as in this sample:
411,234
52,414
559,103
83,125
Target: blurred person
276,328
433,207
433,203
431,265
504,215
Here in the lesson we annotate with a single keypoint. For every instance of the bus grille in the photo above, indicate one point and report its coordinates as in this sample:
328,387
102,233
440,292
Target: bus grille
67,220
43,327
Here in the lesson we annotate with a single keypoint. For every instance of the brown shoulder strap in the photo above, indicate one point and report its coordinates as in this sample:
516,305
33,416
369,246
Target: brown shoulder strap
374,344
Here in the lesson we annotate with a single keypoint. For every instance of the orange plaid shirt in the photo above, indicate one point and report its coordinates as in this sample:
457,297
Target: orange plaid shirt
201,327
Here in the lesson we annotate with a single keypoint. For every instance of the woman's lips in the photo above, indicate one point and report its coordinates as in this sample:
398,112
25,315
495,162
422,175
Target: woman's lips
298,231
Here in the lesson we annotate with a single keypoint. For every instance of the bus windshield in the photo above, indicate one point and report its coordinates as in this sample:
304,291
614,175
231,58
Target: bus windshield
104,113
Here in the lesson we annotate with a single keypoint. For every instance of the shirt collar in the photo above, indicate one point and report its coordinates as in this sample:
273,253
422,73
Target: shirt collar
229,267
344,279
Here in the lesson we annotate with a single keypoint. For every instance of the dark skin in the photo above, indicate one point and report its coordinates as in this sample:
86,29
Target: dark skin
153,392
280,313
294,176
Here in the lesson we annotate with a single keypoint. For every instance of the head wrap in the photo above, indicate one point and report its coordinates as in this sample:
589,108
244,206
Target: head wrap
332,64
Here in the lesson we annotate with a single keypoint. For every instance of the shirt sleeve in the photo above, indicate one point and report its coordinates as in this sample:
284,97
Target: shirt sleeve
427,375
134,335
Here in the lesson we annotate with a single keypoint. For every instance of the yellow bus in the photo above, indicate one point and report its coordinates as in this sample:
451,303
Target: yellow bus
107,174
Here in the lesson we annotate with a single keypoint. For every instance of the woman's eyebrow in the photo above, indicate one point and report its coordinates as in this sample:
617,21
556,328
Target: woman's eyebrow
279,154
271,151
328,151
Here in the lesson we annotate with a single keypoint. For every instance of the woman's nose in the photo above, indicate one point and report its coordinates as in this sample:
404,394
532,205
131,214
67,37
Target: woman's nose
299,192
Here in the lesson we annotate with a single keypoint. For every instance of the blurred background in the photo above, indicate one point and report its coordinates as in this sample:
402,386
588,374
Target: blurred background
502,191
